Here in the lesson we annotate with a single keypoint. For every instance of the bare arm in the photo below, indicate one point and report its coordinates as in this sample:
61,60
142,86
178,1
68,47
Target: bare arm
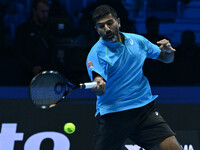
99,89
167,51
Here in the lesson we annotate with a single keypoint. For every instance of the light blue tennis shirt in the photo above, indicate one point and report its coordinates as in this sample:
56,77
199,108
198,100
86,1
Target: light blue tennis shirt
121,66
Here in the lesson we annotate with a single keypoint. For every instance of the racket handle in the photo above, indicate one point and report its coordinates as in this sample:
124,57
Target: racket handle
88,85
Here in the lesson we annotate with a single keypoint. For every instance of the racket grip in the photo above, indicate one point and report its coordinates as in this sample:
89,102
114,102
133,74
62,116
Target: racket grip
88,85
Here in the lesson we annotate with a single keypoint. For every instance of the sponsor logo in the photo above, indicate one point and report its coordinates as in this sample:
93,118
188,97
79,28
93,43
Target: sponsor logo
9,135
90,64
136,147
131,41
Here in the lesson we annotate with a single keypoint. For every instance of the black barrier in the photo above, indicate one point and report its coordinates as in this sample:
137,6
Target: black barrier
25,127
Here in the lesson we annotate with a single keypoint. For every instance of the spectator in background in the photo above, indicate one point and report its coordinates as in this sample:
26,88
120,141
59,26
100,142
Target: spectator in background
61,21
57,9
1,24
128,25
13,17
1,39
152,28
187,57
188,48
134,7
32,41
88,36
1,32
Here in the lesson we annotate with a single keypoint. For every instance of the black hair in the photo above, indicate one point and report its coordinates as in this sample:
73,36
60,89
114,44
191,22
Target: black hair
102,11
35,3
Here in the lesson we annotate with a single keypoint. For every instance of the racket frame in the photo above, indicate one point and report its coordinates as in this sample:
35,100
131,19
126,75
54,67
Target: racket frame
87,85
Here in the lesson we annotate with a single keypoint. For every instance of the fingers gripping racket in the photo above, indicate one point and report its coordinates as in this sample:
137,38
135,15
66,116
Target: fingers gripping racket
49,88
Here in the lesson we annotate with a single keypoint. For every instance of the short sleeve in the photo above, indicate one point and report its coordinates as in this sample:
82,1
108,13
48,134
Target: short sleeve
96,64
153,51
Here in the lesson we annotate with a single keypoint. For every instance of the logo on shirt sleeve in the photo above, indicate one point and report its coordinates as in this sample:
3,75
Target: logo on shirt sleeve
90,64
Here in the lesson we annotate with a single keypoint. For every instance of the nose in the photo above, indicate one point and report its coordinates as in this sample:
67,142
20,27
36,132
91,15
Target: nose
107,28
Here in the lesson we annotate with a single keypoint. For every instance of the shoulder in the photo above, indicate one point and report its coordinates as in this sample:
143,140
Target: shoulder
26,24
97,49
135,37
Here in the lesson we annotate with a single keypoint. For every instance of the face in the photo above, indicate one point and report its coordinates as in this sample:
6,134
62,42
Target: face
41,13
108,28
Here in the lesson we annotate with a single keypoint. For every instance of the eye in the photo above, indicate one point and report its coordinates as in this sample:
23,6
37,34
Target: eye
101,26
110,23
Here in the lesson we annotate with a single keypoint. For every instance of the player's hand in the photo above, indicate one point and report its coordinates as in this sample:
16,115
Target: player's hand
166,46
100,88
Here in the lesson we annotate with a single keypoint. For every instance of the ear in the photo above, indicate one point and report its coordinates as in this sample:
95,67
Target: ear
119,22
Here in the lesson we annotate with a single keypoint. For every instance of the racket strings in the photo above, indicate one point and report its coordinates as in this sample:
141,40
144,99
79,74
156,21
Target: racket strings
63,97
47,89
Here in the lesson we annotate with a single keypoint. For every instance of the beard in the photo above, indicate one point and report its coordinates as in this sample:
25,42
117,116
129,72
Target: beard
112,36
113,39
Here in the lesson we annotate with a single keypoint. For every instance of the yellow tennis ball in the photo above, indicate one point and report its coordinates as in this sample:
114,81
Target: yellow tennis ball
69,128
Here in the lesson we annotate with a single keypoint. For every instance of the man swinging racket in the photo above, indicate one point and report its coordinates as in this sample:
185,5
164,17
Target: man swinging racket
125,105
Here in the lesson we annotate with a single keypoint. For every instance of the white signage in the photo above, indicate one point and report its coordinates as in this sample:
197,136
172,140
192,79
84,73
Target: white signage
8,136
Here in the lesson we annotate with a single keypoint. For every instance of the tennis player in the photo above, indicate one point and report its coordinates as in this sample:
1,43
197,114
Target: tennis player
125,106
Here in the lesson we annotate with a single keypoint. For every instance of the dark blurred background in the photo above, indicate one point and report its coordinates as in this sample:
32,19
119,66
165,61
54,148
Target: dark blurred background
58,34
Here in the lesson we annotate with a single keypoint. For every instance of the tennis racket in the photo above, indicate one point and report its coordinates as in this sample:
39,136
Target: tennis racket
49,88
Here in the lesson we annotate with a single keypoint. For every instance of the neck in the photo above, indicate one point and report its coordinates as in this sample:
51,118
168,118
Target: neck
121,38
